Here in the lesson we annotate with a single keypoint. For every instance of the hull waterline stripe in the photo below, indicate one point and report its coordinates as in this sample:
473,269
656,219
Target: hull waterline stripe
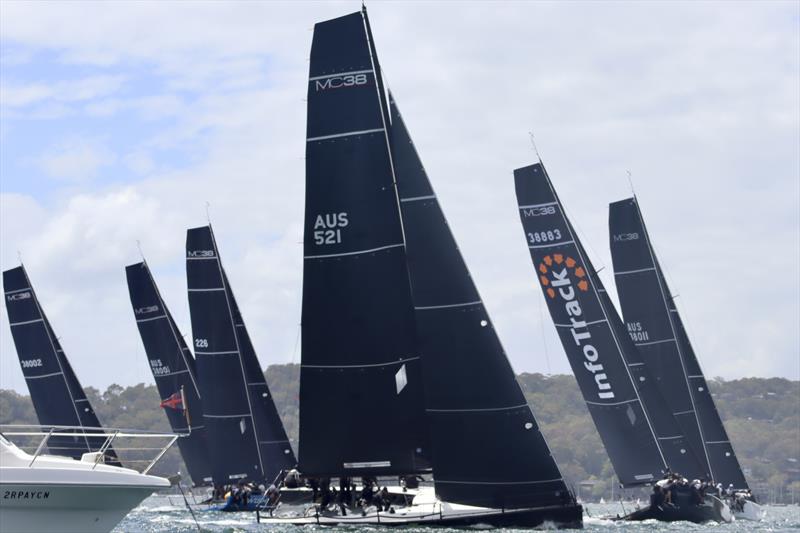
357,252
562,243
338,74
12,324
653,342
361,366
533,206
345,134
465,304
624,272
18,290
212,289
45,375
500,482
139,320
511,408
613,403
418,198
592,323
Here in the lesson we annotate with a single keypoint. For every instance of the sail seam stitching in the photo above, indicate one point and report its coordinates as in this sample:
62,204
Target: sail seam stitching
623,272
477,410
533,206
418,198
357,252
22,323
536,246
344,134
139,320
465,304
361,366
45,375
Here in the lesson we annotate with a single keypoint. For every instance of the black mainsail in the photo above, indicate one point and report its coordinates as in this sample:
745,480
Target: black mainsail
361,390
56,393
487,447
640,434
173,368
246,438
655,327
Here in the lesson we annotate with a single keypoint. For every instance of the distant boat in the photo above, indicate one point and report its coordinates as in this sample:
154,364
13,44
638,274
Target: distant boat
638,430
655,326
56,393
393,325
173,368
246,438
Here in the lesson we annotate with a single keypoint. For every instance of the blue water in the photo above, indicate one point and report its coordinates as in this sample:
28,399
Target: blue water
162,514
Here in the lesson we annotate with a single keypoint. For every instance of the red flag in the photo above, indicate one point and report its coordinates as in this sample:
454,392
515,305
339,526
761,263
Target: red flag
174,402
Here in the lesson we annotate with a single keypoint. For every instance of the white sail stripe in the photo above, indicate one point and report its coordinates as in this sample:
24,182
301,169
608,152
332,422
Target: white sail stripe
210,289
12,324
256,384
613,403
362,366
718,442
349,73
82,400
418,198
683,412
593,322
246,415
357,252
695,376
45,375
345,134
537,246
635,364
151,318
511,408
273,441
673,310
654,342
500,482
234,352
184,371
671,438
204,258
465,304
18,290
601,290
532,206
624,272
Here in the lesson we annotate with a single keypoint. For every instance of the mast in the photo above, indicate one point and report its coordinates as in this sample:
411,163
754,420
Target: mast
487,447
56,393
641,437
173,369
359,346
653,321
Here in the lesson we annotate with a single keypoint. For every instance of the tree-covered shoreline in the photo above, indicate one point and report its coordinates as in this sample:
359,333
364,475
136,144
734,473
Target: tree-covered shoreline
762,416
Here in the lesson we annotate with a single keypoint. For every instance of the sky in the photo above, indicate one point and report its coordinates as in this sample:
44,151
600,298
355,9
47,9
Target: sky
126,122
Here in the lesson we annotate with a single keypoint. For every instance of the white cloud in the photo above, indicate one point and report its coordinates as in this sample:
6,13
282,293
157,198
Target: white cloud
707,121
76,160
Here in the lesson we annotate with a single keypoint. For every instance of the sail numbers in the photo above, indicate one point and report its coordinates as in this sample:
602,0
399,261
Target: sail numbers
31,363
201,343
637,332
544,236
158,367
328,228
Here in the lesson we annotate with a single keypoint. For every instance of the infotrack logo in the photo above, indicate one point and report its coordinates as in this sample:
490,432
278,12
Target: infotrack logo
565,265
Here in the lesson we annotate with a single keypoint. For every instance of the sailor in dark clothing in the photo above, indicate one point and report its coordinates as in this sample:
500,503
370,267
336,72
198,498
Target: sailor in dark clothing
657,497
383,499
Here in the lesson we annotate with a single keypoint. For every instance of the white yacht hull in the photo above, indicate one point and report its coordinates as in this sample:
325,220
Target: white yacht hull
751,511
27,508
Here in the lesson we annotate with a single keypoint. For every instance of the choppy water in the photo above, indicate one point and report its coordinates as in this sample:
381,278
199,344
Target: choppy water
161,514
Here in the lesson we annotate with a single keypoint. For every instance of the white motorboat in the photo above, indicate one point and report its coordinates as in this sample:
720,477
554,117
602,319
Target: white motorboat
58,494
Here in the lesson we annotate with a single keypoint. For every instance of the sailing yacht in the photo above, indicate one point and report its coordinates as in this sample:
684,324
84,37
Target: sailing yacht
654,324
394,327
638,429
56,393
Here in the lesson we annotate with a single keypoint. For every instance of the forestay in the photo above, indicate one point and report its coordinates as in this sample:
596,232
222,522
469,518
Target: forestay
240,430
361,398
487,447
173,368
639,432
56,393
655,326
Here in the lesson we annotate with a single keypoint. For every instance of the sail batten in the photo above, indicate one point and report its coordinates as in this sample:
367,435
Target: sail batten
173,369
650,313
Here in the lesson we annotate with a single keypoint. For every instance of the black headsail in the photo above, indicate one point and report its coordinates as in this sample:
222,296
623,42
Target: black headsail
57,395
245,438
639,432
173,368
655,326
361,400
487,447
